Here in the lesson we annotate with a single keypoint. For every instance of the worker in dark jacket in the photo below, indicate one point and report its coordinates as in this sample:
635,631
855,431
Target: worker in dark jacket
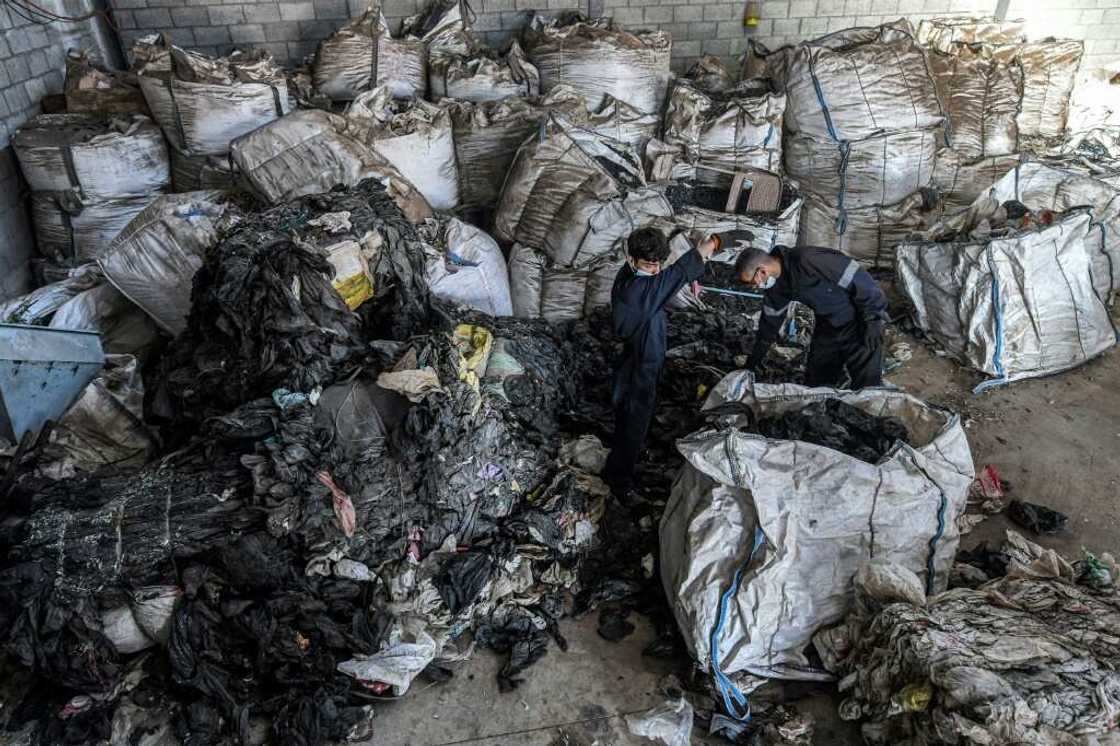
850,310
641,290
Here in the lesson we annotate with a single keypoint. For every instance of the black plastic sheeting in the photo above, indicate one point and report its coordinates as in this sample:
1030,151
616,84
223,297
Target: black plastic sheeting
840,426
288,463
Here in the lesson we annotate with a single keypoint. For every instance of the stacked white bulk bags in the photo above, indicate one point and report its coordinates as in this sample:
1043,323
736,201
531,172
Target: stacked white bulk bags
598,59
1015,302
1049,73
363,55
571,199
89,176
861,117
415,137
736,128
203,104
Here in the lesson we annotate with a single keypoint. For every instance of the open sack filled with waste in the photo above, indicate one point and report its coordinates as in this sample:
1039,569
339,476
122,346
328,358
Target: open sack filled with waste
363,55
92,88
415,137
1059,185
730,129
784,494
598,58
1030,657
701,207
575,195
203,103
1010,291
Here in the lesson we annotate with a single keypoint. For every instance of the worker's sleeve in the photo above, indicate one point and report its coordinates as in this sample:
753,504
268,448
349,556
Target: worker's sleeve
866,295
775,306
681,272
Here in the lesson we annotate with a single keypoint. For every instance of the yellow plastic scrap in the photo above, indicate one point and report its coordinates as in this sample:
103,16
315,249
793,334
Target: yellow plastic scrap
473,343
915,697
701,391
355,290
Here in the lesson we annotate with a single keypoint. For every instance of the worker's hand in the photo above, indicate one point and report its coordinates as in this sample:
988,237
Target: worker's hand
872,334
706,243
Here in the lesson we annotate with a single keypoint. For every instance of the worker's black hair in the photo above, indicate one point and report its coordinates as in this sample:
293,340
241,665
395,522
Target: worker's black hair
749,260
648,245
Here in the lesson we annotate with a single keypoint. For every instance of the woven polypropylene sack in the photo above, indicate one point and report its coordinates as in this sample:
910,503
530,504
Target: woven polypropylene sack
416,138
470,270
879,170
69,230
587,229
598,58
959,181
739,128
807,516
1017,306
870,233
123,327
91,88
856,83
1045,186
310,152
541,290
1049,74
203,118
482,78
191,173
943,34
563,163
981,96
487,136
620,121
96,157
345,62
154,259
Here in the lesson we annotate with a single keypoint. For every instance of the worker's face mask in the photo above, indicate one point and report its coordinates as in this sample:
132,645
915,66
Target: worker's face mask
645,269
768,282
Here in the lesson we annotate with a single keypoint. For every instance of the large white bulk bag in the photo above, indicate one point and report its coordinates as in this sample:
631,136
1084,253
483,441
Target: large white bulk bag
467,266
1049,74
586,228
313,151
203,104
856,83
416,138
362,55
981,96
1018,305
153,260
879,170
482,78
562,164
943,34
192,173
761,538
959,181
1042,186
95,157
598,58
69,230
539,289
620,121
870,233
737,128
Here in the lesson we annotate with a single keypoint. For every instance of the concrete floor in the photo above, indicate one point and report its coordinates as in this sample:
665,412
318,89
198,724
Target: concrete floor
1055,440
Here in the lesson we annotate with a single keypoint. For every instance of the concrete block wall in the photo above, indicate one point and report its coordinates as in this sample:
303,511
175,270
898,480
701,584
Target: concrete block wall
1095,21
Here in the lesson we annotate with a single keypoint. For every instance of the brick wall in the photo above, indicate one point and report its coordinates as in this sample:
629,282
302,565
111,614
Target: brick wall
290,29
32,62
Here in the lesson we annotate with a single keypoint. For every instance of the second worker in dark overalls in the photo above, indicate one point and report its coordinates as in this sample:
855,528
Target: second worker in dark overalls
849,306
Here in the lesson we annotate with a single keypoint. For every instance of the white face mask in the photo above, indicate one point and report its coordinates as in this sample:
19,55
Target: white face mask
769,282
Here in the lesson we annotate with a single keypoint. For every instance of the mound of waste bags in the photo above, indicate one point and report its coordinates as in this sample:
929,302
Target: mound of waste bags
1030,657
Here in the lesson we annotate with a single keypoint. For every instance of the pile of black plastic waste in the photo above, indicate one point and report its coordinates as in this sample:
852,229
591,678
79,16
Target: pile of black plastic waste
328,468
840,426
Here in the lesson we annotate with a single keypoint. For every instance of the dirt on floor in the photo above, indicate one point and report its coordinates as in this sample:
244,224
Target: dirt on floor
1053,440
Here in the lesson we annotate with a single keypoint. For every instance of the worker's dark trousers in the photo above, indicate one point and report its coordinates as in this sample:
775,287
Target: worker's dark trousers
634,398
833,350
